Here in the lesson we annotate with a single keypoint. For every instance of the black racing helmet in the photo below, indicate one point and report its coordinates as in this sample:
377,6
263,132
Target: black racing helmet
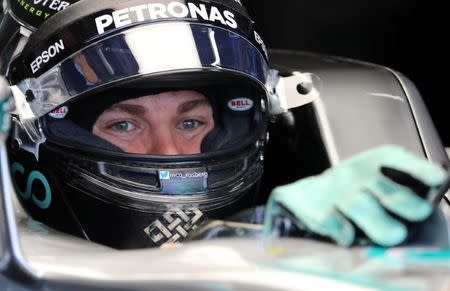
19,19
100,70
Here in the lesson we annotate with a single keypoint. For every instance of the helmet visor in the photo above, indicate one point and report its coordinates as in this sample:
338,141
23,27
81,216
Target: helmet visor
146,50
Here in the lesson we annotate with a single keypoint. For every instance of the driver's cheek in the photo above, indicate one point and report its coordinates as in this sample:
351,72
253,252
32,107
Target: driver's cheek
189,144
135,146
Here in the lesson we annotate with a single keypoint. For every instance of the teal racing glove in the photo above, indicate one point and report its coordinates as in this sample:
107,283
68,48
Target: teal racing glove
377,191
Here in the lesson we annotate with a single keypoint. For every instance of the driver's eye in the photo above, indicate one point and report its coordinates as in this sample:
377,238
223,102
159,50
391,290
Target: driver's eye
190,124
123,126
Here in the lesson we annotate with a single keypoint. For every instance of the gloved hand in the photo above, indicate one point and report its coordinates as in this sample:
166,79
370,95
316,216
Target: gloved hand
6,105
377,190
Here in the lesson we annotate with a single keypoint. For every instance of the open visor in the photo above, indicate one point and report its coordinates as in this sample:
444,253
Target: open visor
146,50
163,121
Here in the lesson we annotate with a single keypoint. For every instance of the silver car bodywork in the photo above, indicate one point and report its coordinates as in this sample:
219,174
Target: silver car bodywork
360,106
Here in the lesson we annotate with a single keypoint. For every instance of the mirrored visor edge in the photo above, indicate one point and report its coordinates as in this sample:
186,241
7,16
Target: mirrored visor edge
141,51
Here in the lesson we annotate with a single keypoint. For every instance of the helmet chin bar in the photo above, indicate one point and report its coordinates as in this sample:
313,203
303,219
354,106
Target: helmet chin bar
293,91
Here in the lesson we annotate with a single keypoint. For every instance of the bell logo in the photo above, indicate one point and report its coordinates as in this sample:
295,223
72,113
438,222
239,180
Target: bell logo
60,112
240,104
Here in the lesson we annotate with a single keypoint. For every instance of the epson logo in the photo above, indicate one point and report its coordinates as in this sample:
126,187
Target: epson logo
47,55
155,11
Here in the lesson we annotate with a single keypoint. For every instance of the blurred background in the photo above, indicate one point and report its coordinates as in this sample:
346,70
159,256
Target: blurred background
406,35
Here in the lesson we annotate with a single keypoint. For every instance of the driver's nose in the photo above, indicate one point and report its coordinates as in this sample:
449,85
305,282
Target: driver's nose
163,143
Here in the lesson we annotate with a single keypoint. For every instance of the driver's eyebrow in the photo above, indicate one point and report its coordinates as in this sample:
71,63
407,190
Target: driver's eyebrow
190,105
128,108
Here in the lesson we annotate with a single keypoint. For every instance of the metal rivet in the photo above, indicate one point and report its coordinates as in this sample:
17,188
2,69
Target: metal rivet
304,88
260,143
261,157
263,105
16,144
29,95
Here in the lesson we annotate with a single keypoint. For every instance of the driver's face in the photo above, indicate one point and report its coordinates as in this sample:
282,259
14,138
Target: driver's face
169,123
